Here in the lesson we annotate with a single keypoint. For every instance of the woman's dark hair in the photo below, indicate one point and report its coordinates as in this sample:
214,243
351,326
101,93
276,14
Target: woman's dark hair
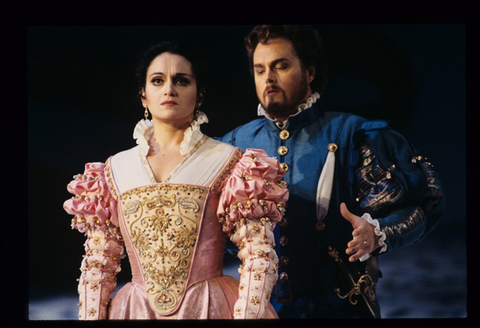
194,56
306,42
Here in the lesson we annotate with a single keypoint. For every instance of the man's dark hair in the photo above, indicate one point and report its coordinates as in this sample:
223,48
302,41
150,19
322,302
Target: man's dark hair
306,42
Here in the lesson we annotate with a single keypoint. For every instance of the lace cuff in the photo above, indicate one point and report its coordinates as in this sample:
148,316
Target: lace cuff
378,232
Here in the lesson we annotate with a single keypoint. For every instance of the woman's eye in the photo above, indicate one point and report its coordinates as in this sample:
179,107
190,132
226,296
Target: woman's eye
182,82
156,81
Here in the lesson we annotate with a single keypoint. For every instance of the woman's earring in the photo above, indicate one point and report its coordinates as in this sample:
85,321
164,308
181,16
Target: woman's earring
199,100
146,113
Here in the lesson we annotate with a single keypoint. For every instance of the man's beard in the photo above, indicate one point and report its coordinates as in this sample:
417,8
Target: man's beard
279,109
287,107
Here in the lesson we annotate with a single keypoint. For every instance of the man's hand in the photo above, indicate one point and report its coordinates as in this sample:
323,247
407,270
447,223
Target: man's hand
364,239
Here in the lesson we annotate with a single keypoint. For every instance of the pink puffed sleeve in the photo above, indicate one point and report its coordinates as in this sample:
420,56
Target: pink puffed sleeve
95,211
252,202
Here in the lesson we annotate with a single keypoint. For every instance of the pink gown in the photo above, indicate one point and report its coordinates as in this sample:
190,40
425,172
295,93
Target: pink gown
174,232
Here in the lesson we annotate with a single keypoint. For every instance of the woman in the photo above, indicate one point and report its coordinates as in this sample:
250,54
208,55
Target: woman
171,201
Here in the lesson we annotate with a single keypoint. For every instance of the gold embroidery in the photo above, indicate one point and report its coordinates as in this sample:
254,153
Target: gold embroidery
226,172
264,220
259,254
163,222
411,221
241,245
255,300
256,228
91,312
275,268
108,177
95,264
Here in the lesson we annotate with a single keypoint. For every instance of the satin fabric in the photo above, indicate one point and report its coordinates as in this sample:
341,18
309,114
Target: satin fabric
209,165
208,299
209,294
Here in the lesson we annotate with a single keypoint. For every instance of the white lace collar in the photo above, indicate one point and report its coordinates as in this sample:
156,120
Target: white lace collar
144,131
310,101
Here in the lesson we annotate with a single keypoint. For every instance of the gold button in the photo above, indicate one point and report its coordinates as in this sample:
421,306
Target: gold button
282,150
284,166
283,276
320,225
283,241
283,222
332,147
283,260
284,134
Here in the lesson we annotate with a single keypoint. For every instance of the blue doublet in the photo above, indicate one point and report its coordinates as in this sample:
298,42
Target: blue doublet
302,149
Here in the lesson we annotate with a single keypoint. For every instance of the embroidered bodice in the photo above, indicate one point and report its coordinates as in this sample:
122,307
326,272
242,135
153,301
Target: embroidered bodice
174,232
163,223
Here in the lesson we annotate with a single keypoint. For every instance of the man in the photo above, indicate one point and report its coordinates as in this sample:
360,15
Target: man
357,188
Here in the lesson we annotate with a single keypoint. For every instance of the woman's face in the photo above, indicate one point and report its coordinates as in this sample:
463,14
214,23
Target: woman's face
170,91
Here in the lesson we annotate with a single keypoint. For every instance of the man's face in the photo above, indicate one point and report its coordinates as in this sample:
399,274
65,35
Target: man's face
281,82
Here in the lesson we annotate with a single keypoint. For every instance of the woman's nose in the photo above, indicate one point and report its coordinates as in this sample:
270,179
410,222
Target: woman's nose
169,89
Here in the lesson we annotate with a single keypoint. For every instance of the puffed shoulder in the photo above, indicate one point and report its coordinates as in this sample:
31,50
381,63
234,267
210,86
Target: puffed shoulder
253,190
93,205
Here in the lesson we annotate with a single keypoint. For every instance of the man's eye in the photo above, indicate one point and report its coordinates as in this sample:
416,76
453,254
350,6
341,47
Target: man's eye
259,71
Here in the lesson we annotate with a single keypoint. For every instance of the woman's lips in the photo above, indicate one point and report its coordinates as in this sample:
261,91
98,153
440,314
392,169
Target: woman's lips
169,103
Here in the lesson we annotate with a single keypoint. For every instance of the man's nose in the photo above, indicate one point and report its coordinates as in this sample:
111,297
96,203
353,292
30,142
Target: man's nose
270,76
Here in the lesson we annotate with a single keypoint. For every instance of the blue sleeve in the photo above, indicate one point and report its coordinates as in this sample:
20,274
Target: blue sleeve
228,138
398,187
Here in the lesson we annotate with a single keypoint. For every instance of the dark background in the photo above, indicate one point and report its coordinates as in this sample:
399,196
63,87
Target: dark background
82,107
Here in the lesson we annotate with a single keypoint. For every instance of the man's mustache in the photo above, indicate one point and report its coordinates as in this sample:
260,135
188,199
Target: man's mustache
272,88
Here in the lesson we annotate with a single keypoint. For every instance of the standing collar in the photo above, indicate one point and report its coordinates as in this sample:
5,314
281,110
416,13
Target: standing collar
310,101
306,113
144,131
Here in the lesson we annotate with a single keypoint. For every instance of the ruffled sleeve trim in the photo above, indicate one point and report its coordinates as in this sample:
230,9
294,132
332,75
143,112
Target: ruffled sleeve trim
378,232
92,204
253,190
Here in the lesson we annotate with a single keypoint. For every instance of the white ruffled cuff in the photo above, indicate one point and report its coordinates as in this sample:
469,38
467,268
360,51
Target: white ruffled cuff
378,232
